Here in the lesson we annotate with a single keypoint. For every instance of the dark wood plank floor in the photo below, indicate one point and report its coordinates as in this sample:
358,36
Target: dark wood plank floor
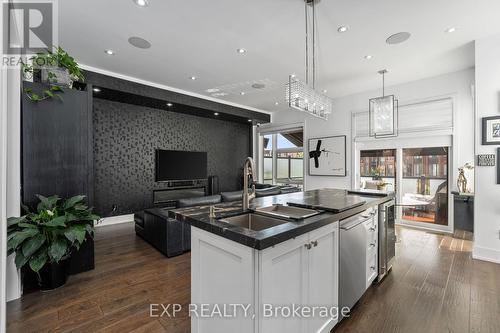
435,286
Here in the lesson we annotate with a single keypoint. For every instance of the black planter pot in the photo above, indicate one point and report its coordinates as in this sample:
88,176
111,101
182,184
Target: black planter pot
53,275
82,260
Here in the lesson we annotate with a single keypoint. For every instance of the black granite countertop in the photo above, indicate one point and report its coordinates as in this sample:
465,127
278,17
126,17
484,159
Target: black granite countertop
199,216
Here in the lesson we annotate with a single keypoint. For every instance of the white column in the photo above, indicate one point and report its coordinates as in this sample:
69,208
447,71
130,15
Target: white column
13,181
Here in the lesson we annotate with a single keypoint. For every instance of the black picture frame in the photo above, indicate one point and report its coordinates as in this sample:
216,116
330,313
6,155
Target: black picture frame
484,130
308,155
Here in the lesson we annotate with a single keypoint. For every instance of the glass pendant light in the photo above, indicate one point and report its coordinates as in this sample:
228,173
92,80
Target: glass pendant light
383,113
299,95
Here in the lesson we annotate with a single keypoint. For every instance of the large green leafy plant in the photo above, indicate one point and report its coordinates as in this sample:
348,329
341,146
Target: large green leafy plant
59,58
51,233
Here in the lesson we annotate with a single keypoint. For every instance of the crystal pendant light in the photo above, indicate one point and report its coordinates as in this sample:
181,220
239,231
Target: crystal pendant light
383,113
299,95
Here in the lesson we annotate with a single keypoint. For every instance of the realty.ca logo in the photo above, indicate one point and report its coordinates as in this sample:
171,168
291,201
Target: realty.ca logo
29,27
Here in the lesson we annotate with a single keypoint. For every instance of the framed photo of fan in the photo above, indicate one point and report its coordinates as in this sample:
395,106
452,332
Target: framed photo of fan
327,156
491,130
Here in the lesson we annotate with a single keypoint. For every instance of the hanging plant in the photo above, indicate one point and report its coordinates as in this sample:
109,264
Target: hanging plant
57,69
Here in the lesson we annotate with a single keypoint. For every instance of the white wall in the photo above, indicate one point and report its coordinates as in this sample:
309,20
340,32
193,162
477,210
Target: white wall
457,84
487,204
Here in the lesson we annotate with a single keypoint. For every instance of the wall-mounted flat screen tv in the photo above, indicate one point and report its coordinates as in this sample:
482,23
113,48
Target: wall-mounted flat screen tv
180,165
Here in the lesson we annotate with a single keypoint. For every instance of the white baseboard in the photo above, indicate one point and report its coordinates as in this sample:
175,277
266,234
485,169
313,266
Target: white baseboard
129,218
486,254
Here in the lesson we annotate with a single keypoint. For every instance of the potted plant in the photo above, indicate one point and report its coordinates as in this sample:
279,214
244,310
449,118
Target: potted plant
376,174
44,239
56,69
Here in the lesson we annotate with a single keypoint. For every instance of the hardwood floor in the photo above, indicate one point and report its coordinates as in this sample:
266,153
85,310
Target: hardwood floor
435,286
129,275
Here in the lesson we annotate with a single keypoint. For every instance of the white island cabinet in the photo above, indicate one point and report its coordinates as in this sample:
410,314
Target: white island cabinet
300,273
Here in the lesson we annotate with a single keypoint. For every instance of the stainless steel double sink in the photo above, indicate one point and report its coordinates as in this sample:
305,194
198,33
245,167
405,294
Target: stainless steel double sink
267,217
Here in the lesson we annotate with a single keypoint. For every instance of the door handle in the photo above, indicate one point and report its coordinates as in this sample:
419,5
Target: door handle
372,244
372,229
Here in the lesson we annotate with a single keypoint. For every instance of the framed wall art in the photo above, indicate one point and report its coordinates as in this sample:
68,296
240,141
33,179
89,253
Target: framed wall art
327,156
491,130
486,160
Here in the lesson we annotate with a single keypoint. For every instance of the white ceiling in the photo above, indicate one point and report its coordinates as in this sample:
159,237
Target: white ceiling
199,38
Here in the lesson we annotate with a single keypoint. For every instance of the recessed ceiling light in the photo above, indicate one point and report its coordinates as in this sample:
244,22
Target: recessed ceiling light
109,52
276,103
241,51
398,38
139,42
292,75
325,91
193,78
368,57
343,28
141,3
242,93
169,104
216,113
249,120
96,89
450,30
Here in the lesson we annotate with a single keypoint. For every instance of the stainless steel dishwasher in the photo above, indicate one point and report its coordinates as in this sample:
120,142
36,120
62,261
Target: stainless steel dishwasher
358,244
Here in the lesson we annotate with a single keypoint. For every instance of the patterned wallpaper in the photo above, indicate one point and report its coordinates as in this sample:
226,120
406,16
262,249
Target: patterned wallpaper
125,139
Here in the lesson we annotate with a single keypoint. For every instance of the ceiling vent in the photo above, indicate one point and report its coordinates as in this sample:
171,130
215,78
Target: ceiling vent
258,85
242,88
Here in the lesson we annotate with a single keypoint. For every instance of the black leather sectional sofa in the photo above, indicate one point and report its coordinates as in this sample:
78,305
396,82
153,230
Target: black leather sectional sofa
172,237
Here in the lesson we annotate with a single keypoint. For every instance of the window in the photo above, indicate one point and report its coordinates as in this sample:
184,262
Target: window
378,162
283,158
268,158
378,169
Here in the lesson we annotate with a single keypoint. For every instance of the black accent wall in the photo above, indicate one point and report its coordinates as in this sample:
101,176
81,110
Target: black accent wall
125,139
56,145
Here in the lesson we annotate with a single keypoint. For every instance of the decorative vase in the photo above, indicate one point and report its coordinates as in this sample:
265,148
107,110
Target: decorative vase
53,275
461,181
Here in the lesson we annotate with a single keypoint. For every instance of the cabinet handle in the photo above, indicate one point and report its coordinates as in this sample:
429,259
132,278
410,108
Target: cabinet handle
314,243
372,244
372,229
372,267
308,246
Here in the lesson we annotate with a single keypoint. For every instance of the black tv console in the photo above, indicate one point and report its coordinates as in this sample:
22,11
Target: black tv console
179,189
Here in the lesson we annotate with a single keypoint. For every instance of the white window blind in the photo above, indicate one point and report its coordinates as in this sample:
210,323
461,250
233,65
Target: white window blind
415,117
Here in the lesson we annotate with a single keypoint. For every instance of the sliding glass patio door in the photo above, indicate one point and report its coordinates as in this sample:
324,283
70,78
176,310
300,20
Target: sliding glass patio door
419,178
424,185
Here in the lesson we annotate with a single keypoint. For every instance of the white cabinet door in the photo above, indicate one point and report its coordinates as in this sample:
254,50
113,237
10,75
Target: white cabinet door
222,272
283,282
323,275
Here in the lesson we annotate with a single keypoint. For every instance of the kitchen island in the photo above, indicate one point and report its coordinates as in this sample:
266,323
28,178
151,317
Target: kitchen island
269,266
